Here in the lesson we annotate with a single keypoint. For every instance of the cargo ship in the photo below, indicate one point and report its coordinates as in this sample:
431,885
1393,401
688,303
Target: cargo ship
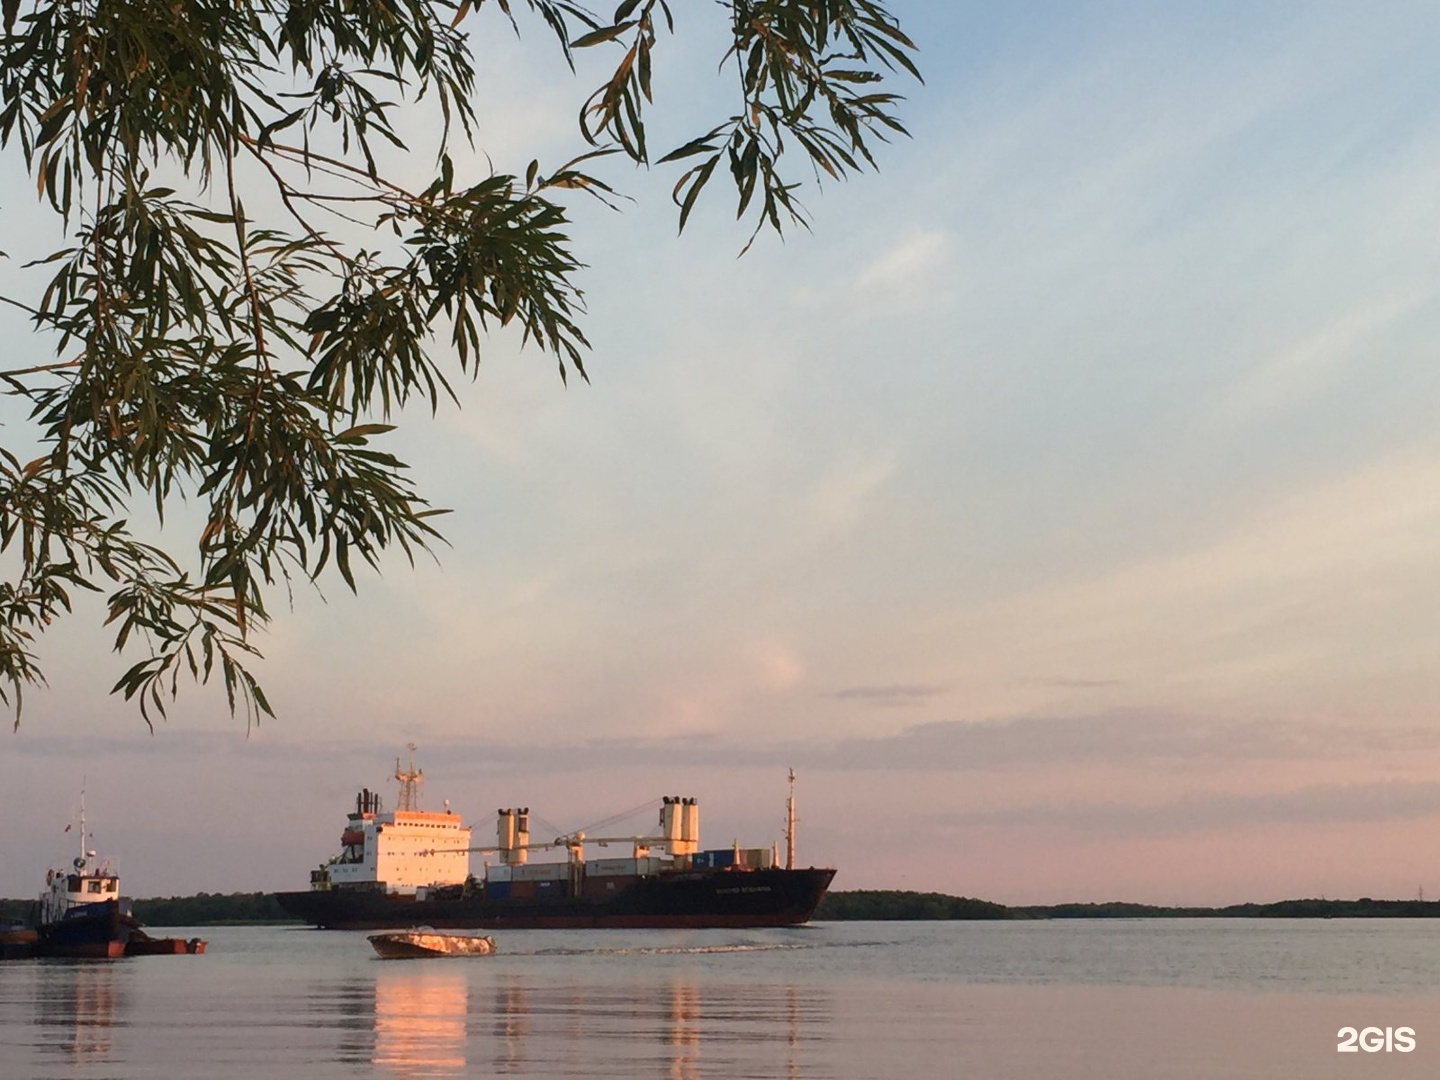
406,867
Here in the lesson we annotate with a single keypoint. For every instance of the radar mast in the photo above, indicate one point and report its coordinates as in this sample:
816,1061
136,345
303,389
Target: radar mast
80,862
410,781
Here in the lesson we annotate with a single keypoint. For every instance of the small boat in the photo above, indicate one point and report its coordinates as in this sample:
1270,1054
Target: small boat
420,941
142,944
17,941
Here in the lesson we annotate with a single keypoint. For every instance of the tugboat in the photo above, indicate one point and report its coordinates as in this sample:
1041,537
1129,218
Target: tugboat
81,912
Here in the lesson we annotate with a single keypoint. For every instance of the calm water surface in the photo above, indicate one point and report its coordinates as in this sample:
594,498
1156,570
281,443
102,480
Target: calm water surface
1104,999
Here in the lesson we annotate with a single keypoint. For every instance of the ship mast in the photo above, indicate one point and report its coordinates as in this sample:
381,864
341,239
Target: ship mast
790,825
80,862
409,782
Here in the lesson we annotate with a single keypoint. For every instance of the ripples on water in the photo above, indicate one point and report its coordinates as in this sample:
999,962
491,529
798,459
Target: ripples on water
1118,1000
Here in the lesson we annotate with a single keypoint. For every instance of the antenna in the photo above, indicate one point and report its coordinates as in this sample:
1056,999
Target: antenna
409,782
790,825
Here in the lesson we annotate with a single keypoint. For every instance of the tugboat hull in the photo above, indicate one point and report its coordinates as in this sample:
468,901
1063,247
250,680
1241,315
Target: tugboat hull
92,931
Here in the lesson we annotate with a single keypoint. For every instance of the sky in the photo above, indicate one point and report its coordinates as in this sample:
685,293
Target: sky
1064,508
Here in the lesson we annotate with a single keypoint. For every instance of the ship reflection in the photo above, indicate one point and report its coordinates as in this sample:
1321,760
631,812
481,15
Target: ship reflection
677,1028
512,1025
76,1010
683,1037
453,1018
420,1022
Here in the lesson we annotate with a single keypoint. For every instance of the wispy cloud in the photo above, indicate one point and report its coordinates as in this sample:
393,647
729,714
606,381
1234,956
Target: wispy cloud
1394,800
909,275
1128,739
1074,683
890,696
1352,339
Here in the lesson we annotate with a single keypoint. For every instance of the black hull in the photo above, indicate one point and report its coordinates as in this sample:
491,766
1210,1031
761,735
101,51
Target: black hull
680,900
17,943
95,931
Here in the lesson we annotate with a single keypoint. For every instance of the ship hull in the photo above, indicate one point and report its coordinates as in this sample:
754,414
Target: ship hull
93,931
691,900
17,943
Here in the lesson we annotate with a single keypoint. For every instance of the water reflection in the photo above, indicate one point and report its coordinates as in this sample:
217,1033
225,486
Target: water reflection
75,1009
678,1028
511,1026
684,1035
937,1000
442,1019
420,1021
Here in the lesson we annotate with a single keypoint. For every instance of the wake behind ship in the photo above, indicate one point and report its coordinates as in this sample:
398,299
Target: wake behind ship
410,867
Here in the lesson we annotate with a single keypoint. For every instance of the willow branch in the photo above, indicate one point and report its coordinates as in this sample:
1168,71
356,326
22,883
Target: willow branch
38,369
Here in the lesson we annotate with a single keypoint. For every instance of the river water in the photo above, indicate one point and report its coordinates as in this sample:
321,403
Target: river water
1118,1000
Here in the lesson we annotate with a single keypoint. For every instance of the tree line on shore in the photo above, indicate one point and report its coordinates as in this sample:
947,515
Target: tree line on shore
892,904
213,909
202,909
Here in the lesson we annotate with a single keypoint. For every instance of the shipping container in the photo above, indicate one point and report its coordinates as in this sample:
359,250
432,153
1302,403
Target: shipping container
498,873
758,858
545,871
610,885
714,860
497,890
607,867
522,890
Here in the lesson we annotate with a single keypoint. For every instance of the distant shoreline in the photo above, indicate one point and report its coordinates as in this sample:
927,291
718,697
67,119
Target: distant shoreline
892,904
255,909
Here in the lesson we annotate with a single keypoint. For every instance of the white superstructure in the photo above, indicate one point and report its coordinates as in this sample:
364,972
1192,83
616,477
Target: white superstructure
400,851
85,884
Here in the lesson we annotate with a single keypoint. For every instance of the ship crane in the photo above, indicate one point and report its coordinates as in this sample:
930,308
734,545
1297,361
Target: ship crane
679,821
573,840
679,834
